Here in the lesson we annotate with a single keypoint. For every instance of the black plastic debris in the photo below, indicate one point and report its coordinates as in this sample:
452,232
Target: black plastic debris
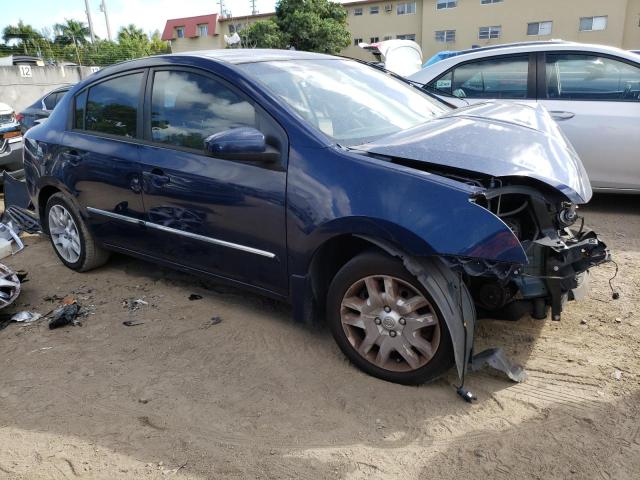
131,323
497,359
213,321
16,204
195,296
65,315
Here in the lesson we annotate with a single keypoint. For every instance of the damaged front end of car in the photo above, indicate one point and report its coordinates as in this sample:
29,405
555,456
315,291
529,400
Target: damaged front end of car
520,168
559,249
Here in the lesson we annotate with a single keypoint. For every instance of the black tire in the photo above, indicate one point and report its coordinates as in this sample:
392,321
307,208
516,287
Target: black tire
91,254
374,263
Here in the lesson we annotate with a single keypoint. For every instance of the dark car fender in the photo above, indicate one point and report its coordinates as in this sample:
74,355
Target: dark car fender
450,292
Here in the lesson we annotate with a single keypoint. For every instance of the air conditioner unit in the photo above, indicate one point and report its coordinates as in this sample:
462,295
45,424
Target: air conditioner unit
388,8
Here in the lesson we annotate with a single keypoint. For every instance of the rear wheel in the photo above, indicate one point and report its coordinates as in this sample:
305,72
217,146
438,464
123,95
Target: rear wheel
71,239
386,322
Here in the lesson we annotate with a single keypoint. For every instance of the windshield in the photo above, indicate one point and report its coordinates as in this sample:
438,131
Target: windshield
350,102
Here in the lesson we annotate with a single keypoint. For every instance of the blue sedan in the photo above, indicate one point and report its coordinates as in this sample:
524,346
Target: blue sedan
326,183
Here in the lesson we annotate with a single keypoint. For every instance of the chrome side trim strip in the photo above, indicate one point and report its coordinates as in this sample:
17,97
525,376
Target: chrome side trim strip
175,231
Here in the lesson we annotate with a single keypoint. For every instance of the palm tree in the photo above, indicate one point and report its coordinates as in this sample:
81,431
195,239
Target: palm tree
131,32
72,32
25,34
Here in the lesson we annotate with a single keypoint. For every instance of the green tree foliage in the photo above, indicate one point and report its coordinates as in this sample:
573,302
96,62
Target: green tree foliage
69,42
262,34
28,38
313,25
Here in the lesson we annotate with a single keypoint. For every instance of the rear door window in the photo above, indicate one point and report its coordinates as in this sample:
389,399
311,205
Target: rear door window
591,77
50,101
504,78
112,106
186,108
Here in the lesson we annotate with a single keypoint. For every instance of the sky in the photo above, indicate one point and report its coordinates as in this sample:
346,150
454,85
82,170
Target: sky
149,15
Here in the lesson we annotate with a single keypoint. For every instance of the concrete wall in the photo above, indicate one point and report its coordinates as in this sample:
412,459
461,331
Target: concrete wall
19,92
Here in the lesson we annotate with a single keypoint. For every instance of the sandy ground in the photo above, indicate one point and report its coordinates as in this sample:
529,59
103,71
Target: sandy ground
257,396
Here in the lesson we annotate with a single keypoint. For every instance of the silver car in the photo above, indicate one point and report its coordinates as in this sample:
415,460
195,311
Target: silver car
592,91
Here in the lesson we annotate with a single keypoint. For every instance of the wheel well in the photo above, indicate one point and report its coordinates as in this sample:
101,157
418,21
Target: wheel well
44,196
329,259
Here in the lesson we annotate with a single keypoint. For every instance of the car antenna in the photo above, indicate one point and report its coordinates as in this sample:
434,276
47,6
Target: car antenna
466,395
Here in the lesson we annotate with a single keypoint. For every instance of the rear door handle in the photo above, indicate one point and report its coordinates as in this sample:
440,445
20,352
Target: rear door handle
158,178
73,157
557,115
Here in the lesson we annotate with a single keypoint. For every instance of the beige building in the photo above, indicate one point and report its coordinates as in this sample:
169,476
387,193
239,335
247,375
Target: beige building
448,24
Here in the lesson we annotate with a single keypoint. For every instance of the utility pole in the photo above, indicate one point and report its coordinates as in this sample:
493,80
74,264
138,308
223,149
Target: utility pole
103,9
254,10
93,37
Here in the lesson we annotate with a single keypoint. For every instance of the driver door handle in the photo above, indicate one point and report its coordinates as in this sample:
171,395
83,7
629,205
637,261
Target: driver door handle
559,115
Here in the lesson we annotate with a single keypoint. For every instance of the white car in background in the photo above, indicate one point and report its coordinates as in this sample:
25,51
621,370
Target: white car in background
10,139
592,91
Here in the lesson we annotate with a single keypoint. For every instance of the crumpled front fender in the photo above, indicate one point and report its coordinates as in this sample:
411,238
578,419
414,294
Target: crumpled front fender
451,295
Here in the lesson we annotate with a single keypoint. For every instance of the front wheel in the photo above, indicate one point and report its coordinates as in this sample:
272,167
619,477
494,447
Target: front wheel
386,322
71,239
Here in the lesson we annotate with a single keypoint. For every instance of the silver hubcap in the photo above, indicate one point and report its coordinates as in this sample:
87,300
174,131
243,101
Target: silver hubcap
64,233
390,323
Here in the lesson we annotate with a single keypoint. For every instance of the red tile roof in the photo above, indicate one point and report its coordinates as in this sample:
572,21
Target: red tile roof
190,25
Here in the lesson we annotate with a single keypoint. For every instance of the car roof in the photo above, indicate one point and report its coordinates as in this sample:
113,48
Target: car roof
427,73
252,55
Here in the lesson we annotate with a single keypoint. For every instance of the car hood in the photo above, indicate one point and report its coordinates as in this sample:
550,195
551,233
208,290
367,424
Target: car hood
497,139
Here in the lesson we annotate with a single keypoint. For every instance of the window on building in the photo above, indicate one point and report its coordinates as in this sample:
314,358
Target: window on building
495,78
186,108
487,33
357,11
374,39
357,41
203,30
374,10
180,32
539,28
387,37
589,24
407,36
442,4
488,2
235,27
590,77
407,8
112,106
445,36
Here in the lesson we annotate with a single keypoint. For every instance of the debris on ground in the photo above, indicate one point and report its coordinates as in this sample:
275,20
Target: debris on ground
195,296
497,359
213,321
9,285
134,304
131,323
617,374
26,317
65,315
8,235
16,204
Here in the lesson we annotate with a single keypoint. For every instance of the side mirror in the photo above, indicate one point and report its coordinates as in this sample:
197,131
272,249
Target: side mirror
242,143
39,121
